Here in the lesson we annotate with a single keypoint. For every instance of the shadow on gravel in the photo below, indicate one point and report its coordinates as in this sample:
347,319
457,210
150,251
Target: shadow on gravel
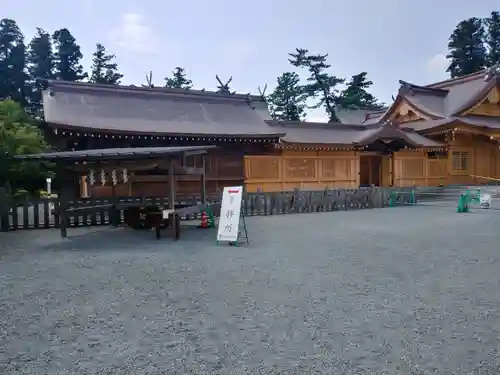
128,240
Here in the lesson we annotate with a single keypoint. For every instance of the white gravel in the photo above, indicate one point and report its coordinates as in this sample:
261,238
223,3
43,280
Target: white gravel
406,290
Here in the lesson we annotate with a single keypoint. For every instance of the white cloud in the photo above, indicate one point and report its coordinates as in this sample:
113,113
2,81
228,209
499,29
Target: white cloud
133,34
438,63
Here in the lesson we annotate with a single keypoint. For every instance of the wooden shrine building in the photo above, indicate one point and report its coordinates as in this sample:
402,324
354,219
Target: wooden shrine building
314,156
83,116
443,133
431,135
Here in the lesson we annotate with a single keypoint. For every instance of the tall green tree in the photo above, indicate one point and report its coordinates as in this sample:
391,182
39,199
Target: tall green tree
320,84
356,94
104,68
40,66
466,49
178,80
19,135
67,57
12,61
493,38
288,100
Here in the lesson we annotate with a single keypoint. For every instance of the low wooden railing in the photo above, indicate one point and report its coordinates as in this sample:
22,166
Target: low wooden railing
42,213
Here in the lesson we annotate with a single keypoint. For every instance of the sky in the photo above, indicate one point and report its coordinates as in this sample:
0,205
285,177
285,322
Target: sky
250,40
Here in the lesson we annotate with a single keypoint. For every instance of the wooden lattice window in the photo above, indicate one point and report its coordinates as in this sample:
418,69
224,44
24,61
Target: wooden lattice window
265,168
437,155
460,160
300,168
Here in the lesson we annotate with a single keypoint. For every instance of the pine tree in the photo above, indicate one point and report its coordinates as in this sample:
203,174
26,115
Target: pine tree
67,57
104,69
178,80
493,38
320,83
356,96
40,66
288,100
12,62
466,48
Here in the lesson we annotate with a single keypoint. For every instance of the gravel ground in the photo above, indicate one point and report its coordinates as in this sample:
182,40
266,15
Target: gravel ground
407,290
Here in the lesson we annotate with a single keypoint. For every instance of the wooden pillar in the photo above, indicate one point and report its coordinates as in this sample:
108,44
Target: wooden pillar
392,169
115,213
203,182
4,209
66,194
174,218
171,184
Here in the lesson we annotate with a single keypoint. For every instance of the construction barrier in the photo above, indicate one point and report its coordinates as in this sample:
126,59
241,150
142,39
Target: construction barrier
459,197
207,218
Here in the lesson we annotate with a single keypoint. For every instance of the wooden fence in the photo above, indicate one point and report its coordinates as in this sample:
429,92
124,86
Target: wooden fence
38,214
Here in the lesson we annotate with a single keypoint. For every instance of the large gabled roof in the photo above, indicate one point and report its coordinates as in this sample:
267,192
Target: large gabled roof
443,99
152,111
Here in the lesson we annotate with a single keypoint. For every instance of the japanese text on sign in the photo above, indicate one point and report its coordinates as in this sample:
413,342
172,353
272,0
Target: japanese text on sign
230,214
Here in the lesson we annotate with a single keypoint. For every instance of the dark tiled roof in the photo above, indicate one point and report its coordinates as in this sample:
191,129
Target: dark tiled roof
346,134
153,110
388,131
479,121
357,116
115,153
444,99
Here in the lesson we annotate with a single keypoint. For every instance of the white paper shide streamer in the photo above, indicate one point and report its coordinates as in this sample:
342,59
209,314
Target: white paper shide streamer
103,177
92,177
125,175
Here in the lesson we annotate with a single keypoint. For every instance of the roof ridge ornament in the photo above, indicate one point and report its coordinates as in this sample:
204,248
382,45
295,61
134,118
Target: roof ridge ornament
149,80
492,71
405,86
262,92
223,88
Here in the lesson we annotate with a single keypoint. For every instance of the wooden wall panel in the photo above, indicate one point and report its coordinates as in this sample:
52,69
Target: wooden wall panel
301,170
418,169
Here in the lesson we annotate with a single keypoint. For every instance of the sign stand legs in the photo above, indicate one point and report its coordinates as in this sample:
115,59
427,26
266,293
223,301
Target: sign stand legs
242,234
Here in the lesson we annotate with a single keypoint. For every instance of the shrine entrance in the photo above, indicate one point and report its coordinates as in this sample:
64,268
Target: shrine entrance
370,170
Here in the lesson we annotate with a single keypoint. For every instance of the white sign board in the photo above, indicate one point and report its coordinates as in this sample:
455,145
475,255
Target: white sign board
229,221
485,200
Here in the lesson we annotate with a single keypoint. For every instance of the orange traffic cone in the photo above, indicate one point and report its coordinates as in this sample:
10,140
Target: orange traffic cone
204,220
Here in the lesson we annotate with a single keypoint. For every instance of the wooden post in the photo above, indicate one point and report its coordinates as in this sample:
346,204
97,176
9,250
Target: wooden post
171,184
392,169
203,182
115,214
67,182
4,209
174,222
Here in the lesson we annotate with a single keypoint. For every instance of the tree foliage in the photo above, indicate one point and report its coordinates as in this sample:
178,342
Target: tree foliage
18,135
67,57
104,69
12,61
288,100
493,38
466,48
178,80
356,95
320,84
40,66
